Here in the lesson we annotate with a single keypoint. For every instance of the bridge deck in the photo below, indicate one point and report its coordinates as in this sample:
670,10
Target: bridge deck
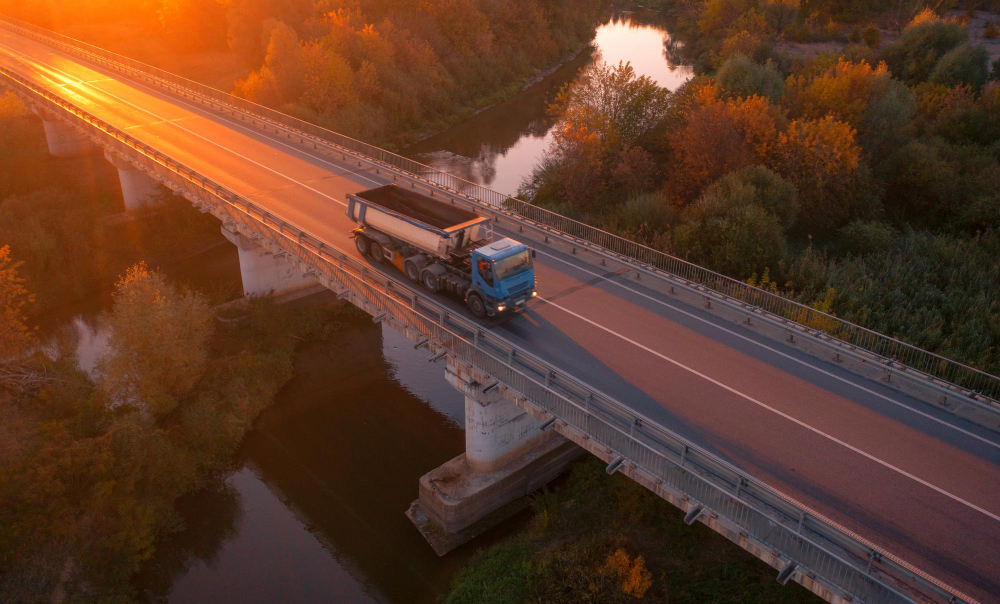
909,478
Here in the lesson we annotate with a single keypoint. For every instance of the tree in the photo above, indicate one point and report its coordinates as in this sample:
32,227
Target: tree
158,342
741,77
719,136
758,185
781,13
865,97
821,158
727,231
15,336
925,40
611,102
964,64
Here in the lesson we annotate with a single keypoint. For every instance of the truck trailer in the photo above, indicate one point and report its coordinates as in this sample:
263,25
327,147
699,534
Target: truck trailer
443,247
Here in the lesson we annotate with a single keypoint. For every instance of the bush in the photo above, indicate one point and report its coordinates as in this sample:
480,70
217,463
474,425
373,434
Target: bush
644,217
726,231
920,184
741,77
913,56
758,185
871,36
964,64
864,237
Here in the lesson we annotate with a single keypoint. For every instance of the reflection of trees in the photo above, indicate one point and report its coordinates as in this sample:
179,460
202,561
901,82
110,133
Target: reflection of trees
211,517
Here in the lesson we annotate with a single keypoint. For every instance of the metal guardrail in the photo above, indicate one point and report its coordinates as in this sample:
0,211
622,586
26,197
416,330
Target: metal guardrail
820,549
920,361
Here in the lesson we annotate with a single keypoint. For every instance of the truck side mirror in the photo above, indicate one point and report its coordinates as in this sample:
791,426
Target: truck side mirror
532,252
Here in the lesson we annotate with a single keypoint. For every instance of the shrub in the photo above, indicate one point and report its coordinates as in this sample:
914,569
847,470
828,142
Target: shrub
741,77
728,232
762,187
871,36
964,64
920,184
923,42
863,237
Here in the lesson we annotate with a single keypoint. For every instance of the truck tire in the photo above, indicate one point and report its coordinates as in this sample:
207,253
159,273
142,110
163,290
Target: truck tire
430,281
476,305
362,244
377,253
412,272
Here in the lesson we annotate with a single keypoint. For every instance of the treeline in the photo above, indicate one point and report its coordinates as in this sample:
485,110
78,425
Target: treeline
865,182
383,71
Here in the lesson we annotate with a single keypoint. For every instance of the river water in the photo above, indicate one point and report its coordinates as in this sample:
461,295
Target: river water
499,146
313,509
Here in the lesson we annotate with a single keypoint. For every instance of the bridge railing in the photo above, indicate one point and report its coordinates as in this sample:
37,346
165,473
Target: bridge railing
929,364
814,546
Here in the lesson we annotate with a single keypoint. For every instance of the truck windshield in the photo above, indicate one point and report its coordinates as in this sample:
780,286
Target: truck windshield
514,264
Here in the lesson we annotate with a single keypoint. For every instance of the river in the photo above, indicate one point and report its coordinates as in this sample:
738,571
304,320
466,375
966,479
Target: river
499,146
313,509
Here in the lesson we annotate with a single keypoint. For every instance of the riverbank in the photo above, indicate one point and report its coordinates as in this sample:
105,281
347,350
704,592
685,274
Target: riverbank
600,538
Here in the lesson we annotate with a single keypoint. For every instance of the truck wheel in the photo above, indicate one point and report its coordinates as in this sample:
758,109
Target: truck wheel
430,281
362,244
477,306
412,272
378,255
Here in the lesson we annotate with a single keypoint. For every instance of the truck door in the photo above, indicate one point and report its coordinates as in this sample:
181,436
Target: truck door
484,274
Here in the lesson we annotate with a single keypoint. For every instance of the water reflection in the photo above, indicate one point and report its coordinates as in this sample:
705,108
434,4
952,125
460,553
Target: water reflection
499,146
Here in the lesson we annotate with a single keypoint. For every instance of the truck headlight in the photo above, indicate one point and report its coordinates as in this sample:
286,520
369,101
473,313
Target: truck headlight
500,307
533,294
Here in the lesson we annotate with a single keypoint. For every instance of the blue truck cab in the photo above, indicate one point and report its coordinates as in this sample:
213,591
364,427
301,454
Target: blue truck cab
503,277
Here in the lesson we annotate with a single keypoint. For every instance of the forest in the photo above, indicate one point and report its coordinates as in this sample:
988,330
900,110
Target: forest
863,179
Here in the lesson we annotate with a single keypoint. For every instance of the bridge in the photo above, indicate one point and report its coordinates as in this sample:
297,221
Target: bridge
862,468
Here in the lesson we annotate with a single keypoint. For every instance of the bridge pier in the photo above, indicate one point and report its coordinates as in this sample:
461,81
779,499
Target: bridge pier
262,272
138,188
64,140
507,457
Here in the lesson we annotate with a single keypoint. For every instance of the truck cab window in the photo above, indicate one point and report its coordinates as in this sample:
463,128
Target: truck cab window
486,271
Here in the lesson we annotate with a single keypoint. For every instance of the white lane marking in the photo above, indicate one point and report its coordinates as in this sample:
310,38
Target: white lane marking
776,411
776,351
566,310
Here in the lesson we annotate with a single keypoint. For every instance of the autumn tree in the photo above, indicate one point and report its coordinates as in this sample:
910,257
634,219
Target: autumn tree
923,42
963,65
15,335
865,97
158,342
742,77
822,159
719,136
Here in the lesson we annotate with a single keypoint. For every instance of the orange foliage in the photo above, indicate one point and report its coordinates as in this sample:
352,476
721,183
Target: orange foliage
845,91
720,136
635,578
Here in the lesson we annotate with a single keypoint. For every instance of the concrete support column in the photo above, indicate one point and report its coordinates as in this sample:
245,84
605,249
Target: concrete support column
138,189
507,457
262,272
64,140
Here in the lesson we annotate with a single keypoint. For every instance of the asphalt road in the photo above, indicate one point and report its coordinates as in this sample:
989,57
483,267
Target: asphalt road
915,481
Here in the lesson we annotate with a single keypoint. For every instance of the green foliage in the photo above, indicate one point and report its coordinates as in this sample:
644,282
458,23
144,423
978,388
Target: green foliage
937,292
868,237
644,217
740,76
728,230
964,64
914,55
603,538
871,36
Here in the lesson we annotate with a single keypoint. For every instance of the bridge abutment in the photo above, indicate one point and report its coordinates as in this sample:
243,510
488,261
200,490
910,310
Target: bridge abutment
507,457
138,188
64,140
264,273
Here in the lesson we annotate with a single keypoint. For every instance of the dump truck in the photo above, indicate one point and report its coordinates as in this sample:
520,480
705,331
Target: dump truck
444,247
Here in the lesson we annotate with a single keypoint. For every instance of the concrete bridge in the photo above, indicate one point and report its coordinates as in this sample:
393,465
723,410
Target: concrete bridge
863,469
